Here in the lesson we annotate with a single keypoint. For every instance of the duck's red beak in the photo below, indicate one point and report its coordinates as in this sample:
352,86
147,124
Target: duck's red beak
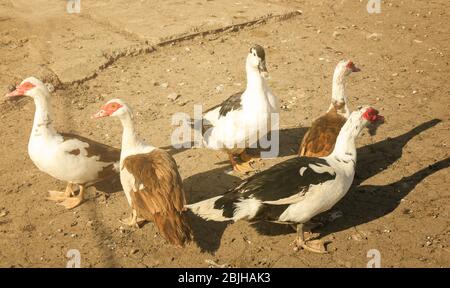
14,93
21,90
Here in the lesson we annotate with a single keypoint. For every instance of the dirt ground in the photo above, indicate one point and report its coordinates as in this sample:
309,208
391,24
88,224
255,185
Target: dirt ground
142,51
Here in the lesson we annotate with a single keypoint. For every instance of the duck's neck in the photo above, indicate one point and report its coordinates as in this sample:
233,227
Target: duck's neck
345,148
338,98
129,138
42,124
255,82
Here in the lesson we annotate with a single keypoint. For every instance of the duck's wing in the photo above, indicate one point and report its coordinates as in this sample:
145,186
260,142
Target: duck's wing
75,144
285,183
320,139
232,103
80,146
158,194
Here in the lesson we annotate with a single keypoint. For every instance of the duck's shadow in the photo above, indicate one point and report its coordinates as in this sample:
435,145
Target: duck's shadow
110,185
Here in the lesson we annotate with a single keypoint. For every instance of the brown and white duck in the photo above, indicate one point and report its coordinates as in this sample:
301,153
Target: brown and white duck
67,157
320,139
150,180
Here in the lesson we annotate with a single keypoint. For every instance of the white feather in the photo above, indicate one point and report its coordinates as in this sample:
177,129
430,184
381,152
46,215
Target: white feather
206,210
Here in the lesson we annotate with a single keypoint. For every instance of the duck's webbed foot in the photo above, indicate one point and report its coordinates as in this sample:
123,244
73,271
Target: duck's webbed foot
59,196
240,166
133,220
316,246
73,201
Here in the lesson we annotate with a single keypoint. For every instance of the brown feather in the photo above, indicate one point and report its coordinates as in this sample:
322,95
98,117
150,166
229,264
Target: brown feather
104,152
163,199
320,139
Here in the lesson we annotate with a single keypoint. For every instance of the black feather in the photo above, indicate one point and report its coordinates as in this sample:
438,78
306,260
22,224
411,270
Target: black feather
260,52
232,103
278,182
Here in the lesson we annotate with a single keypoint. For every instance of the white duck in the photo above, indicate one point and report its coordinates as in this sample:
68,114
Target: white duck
296,190
150,180
320,139
66,157
243,118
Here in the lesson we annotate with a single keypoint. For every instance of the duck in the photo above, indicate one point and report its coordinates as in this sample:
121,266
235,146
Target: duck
74,159
320,139
295,190
150,180
238,122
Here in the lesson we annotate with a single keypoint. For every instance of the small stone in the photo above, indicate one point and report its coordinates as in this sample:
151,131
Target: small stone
50,87
374,36
395,75
182,103
357,237
336,34
173,96
134,251
164,85
219,88
407,211
415,92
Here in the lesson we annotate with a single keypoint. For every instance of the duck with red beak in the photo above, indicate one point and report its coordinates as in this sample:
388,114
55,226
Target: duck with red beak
150,180
67,157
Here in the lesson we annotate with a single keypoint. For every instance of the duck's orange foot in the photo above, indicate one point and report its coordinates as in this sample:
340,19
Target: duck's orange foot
57,196
243,167
71,202
315,246
133,221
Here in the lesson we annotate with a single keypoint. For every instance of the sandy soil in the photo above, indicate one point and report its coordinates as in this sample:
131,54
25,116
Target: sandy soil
400,201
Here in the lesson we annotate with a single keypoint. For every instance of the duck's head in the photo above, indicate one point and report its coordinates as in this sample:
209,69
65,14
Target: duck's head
366,116
345,68
256,58
114,108
31,87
